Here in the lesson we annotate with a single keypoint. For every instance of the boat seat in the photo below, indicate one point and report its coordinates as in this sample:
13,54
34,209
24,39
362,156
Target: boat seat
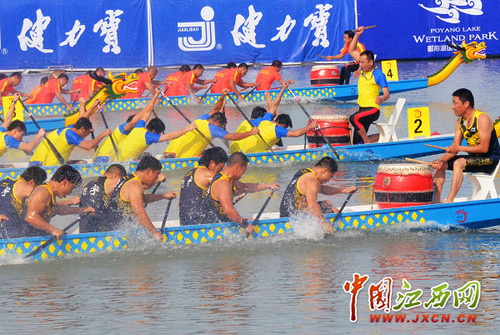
387,131
483,184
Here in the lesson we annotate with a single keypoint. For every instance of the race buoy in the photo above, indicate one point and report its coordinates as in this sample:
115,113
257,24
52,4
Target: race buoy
334,127
401,185
325,75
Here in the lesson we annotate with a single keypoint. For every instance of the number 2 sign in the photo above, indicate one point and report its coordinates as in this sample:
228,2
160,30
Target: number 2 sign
419,123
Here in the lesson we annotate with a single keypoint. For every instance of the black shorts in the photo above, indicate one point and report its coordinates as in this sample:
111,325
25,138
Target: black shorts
364,117
475,163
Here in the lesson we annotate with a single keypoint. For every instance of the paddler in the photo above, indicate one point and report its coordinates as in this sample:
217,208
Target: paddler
86,85
42,206
195,184
301,195
271,127
217,85
128,198
145,81
483,150
8,84
53,88
12,132
140,138
191,78
97,194
64,140
13,194
212,125
174,81
218,204
370,82
232,78
105,152
269,74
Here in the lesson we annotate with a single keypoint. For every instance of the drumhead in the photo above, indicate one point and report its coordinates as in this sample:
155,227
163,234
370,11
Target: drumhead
323,67
335,118
404,169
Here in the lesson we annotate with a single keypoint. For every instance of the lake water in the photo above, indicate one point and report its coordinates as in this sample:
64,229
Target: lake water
291,284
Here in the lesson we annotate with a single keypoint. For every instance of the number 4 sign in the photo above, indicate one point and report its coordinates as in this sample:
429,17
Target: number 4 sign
390,69
419,123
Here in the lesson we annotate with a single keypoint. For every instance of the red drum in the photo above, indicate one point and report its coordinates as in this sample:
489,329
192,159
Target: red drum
401,185
324,75
334,127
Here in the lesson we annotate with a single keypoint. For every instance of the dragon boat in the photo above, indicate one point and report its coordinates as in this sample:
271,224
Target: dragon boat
466,53
351,153
461,214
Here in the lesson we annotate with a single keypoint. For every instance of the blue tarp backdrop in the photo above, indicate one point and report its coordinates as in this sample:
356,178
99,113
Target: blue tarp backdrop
135,33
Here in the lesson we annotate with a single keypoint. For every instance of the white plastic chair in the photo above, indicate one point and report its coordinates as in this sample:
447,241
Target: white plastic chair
387,131
483,184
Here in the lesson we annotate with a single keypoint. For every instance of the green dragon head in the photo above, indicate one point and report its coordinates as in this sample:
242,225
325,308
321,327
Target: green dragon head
122,84
472,51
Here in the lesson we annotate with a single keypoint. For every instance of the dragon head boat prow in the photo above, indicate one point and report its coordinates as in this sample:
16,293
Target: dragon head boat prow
466,53
115,86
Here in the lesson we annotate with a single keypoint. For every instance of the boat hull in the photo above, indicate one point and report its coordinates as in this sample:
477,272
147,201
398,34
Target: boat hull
351,153
329,93
458,215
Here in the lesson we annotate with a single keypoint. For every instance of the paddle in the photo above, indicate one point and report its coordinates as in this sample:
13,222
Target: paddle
251,125
318,129
50,240
256,220
165,216
204,94
154,190
337,217
417,161
435,146
113,143
187,119
241,196
250,92
49,142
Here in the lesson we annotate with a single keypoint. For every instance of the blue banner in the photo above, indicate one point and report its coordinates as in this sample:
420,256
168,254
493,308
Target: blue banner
421,28
84,34
214,32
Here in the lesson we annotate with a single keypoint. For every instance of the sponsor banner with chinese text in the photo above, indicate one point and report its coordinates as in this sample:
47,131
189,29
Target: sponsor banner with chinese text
84,34
217,32
421,29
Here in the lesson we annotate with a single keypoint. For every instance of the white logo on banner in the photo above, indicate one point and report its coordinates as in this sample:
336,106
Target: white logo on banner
109,29
248,25
206,28
31,35
285,29
74,34
449,10
318,21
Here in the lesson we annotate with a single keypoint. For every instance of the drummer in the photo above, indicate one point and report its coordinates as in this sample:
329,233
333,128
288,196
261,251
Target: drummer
371,81
482,145
271,127
301,195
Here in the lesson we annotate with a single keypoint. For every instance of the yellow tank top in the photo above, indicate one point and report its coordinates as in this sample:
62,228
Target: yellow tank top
106,149
254,143
132,145
44,153
368,90
192,143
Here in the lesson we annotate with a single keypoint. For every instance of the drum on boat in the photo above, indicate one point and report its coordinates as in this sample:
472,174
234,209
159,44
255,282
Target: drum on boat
324,75
334,127
400,185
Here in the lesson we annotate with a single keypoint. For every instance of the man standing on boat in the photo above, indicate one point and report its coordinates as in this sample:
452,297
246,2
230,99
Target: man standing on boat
269,74
345,72
211,125
271,127
482,145
370,82
301,195
97,194
128,198
13,194
41,205
225,185
195,184
64,140
12,132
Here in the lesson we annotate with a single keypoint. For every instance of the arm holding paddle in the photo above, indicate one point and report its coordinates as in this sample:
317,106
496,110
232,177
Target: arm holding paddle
10,114
242,188
178,133
91,144
272,105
